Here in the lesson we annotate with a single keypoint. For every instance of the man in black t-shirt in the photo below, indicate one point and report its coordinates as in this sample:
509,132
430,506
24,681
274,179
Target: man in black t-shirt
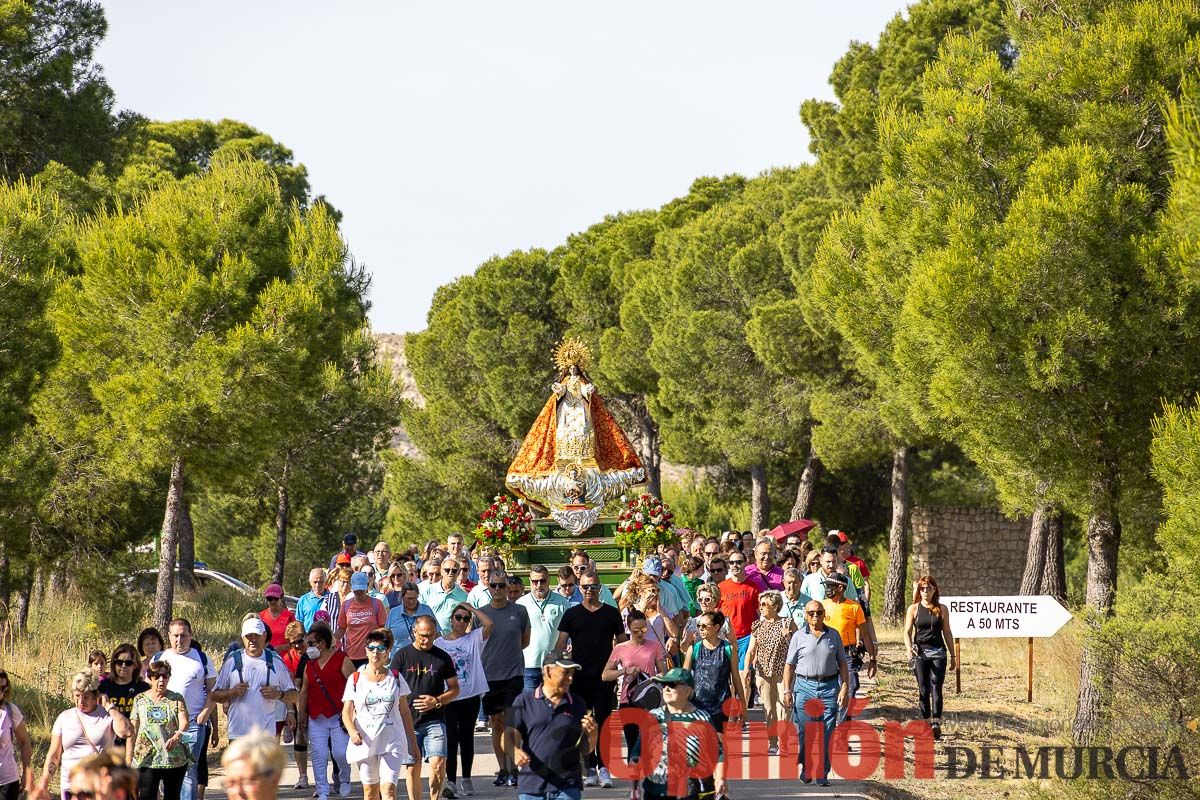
593,628
429,672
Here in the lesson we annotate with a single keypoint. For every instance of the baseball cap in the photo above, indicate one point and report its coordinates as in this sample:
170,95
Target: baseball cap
274,590
343,558
842,537
557,658
836,578
676,675
652,566
349,538
359,580
254,626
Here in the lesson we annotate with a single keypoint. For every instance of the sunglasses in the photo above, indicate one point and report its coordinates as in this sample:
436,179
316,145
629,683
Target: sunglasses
81,795
539,580
124,662
463,617
703,626
926,588
736,562
673,685
815,613
450,572
497,585
297,642
377,648
590,587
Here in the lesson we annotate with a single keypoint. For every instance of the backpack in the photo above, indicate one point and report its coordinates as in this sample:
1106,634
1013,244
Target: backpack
269,655
726,646
645,693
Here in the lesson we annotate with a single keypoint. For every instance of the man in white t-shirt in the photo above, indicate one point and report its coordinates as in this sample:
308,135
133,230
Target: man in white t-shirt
192,676
251,681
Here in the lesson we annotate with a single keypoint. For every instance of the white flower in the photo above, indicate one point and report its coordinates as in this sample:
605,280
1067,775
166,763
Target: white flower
520,501
624,499
656,520
638,517
496,499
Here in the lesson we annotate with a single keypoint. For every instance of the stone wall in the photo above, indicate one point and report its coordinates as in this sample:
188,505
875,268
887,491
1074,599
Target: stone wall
970,551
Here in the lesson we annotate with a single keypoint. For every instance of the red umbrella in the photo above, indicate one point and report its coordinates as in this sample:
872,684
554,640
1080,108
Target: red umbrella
800,526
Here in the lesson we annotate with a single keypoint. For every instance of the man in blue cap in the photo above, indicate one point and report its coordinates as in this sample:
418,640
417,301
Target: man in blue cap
349,549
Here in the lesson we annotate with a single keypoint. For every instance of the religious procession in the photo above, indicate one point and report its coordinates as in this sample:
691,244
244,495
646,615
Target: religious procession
555,401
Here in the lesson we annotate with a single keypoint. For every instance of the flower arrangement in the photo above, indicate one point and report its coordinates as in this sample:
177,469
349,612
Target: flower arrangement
507,522
644,523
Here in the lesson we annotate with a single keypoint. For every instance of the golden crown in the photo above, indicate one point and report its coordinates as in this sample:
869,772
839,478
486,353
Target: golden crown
572,351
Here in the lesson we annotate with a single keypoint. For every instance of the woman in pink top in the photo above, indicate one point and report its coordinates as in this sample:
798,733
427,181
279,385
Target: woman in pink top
633,660
359,615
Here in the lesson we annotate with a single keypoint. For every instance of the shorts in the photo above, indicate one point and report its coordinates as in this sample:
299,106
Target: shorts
502,694
431,739
381,768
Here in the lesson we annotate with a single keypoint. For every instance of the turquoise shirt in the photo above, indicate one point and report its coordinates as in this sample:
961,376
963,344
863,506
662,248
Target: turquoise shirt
544,616
443,603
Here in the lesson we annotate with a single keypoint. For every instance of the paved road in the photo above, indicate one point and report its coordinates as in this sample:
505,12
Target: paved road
485,770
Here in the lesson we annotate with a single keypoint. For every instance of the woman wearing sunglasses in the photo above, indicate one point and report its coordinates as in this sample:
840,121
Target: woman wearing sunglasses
156,748
124,682
378,720
325,672
464,645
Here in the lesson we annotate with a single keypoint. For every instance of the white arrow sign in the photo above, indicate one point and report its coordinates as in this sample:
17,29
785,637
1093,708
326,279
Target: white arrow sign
1015,615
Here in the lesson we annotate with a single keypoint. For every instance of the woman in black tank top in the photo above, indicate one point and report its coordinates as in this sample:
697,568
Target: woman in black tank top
931,645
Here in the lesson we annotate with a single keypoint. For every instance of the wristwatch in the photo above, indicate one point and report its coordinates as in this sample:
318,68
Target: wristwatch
437,703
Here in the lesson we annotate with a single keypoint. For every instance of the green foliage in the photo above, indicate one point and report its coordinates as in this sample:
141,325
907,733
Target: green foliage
56,104
697,505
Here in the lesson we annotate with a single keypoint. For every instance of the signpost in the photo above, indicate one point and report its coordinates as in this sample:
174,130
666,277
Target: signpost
1027,616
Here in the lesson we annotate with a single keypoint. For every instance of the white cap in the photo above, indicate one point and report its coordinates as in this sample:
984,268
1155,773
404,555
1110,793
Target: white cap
254,626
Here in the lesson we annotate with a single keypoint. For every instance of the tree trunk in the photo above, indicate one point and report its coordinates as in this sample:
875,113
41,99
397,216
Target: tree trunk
187,548
894,603
807,485
24,592
5,594
282,515
1103,540
760,503
164,595
648,443
1054,575
1035,553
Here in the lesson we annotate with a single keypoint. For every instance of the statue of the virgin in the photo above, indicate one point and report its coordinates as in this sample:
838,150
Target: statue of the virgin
575,457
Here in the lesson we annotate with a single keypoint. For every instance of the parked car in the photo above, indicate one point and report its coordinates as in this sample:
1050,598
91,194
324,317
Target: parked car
145,581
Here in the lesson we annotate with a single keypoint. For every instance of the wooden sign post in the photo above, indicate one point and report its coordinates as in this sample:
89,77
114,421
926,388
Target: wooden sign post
1028,616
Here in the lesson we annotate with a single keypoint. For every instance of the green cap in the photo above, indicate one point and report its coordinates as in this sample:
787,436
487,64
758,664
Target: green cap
676,675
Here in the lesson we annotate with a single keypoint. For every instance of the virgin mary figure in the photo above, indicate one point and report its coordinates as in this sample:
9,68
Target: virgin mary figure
575,456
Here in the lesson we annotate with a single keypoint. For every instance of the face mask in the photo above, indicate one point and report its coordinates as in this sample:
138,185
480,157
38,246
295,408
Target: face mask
312,653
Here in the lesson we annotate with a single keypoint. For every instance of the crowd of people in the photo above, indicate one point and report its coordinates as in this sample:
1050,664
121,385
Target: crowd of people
393,665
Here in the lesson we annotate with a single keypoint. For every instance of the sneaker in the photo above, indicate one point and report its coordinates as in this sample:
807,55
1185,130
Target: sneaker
302,783
512,779
344,790
804,777
591,779
937,730
773,750
314,794
501,778
605,778
480,726
465,787
822,781
448,791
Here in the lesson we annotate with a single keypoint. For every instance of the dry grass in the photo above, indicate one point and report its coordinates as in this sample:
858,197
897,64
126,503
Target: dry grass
991,710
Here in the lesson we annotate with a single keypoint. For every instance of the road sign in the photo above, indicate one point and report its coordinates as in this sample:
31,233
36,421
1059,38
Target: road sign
998,616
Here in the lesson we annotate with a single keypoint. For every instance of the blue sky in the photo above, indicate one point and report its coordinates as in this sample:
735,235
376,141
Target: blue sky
451,132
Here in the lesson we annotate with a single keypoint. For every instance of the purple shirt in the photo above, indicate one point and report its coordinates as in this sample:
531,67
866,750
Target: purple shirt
772,580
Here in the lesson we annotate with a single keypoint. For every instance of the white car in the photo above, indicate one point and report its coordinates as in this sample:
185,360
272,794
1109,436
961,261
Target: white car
146,580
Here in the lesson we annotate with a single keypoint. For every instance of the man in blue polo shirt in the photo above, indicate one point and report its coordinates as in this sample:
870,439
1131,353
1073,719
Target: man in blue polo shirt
549,728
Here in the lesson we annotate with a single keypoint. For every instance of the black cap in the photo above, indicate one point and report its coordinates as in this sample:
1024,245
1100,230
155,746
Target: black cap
349,538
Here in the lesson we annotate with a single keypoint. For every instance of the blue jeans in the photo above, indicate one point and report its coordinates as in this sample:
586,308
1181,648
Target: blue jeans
854,664
533,678
804,690
193,737
554,794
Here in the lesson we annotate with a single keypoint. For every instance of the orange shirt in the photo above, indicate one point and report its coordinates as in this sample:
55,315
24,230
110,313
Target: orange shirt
844,617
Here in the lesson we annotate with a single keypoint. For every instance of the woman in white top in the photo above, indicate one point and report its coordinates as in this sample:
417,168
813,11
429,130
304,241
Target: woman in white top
465,650
16,751
81,731
378,720
708,597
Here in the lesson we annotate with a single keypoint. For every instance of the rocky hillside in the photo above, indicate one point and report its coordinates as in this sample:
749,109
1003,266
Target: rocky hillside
391,352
